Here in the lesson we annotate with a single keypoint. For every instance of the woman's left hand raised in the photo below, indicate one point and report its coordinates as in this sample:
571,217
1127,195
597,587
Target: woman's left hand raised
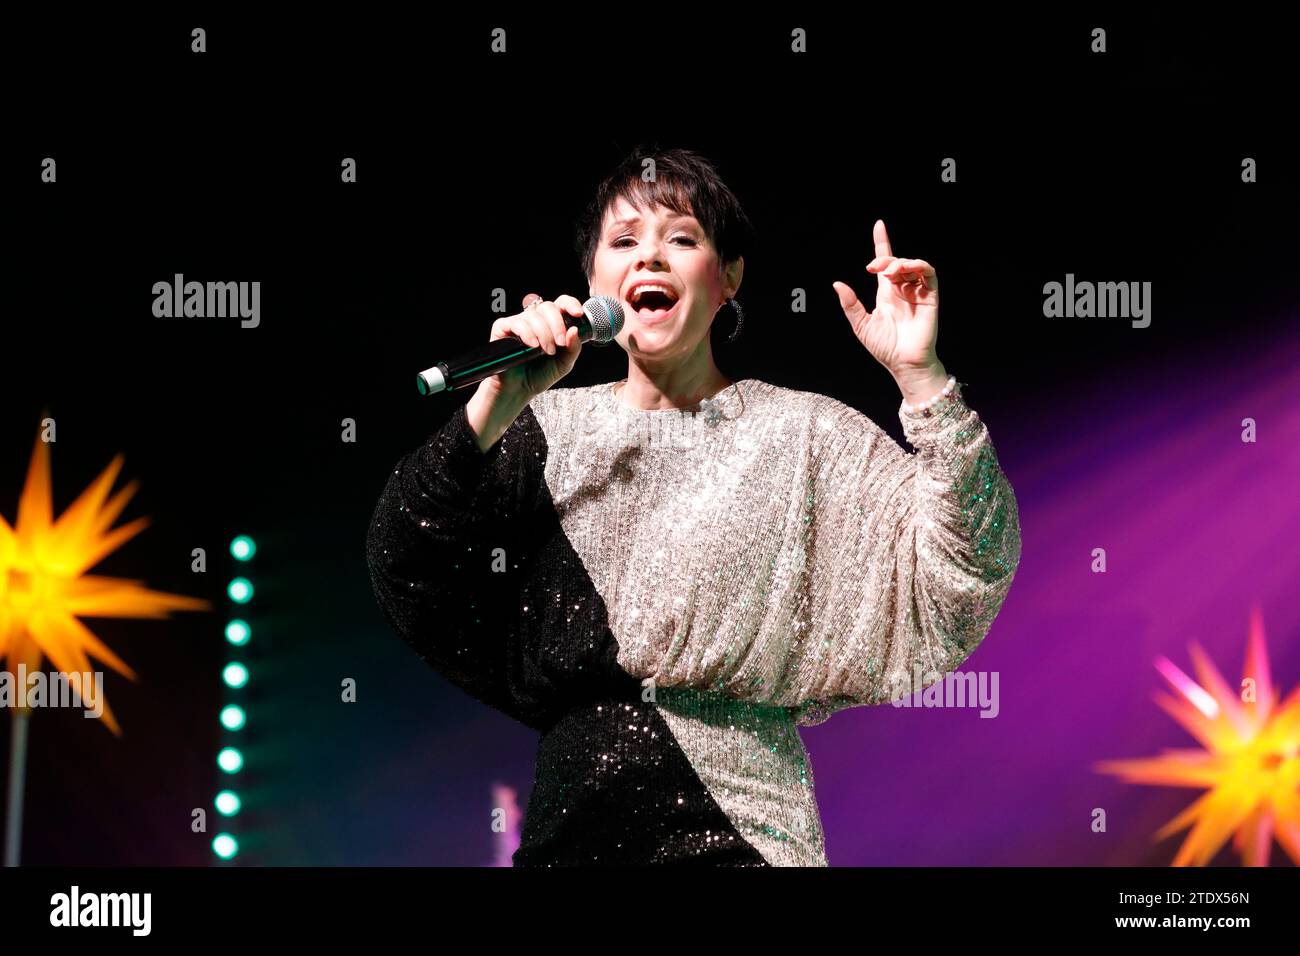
902,331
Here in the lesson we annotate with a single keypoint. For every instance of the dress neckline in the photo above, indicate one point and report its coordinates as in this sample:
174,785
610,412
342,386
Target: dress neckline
723,399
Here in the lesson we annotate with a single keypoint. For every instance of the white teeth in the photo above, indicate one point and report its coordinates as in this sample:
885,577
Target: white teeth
637,292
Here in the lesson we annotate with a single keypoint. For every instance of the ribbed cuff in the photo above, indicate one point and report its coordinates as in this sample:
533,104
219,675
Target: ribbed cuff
929,426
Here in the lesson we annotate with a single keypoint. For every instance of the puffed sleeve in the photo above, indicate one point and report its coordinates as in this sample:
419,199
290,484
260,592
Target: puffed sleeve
909,555
430,548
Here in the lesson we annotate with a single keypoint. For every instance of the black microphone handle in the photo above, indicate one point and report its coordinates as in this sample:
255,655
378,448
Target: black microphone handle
475,364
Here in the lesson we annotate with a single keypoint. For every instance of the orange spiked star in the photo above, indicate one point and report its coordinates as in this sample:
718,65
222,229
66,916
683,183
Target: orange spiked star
43,587
1250,763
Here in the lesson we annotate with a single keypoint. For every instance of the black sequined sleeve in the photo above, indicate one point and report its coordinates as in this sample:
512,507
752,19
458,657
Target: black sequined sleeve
432,551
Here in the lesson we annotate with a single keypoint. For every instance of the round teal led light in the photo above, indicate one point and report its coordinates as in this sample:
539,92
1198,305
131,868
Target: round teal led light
228,803
238,632
230,760
225,846
233,717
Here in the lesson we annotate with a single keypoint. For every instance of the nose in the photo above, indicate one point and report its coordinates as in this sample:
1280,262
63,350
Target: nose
650,253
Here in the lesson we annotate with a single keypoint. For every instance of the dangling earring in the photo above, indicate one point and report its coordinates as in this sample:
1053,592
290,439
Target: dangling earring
740,320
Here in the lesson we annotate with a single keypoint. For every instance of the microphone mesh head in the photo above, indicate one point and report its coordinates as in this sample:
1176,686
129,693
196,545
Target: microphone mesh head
606,317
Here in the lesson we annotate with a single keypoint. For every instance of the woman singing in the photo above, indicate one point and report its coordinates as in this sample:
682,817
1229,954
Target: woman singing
667,575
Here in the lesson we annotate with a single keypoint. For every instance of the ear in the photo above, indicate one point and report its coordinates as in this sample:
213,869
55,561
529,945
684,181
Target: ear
731,276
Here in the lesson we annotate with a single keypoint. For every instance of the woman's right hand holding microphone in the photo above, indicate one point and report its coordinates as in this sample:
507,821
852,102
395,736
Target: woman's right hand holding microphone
501,397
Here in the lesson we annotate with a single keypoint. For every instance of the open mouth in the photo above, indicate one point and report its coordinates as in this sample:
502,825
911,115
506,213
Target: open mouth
652,303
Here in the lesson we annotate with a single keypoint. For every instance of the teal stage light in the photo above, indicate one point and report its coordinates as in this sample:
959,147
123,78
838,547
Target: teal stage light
243,548
230,760
240,590
228,803
225,846
232,717
238,632
235,675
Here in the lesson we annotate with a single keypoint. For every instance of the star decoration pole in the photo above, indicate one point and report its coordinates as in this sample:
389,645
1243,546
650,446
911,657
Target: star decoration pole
1250,764
44,590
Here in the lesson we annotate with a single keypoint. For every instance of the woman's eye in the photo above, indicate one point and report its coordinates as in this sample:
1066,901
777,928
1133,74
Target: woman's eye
618,243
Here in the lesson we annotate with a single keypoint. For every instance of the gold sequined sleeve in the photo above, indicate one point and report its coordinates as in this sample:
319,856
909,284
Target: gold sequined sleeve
910,555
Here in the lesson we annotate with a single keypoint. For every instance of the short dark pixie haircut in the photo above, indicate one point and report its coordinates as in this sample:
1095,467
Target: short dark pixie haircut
685,182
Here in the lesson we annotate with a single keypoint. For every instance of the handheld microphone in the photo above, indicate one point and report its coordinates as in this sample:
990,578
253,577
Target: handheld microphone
601,321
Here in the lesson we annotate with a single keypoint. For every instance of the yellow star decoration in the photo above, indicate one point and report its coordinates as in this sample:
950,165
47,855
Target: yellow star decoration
1250,764
44,587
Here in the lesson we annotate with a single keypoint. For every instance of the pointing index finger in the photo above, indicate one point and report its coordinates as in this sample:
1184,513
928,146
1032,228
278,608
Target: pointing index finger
881,239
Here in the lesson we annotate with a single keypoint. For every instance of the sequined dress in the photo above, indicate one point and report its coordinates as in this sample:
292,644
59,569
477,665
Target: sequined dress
666,596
